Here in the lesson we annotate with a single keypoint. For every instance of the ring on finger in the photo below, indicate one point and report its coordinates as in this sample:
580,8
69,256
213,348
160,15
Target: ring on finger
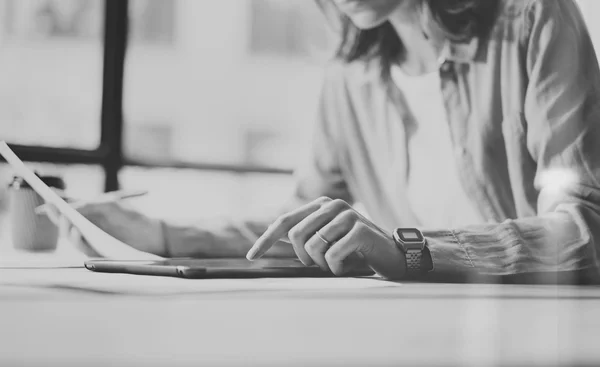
328,243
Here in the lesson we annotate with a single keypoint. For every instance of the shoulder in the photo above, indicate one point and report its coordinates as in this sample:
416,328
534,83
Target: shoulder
565,12
523,15
553,15
537,8
530,21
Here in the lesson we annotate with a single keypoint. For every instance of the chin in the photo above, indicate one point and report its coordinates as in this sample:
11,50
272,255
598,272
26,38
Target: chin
367,21
367,14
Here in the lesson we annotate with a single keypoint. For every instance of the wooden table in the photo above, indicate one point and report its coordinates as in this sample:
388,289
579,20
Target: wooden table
73,317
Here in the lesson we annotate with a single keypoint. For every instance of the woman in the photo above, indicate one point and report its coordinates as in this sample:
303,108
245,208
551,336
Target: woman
475,121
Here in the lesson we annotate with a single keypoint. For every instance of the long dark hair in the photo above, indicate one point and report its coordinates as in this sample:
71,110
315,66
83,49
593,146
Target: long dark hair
458,20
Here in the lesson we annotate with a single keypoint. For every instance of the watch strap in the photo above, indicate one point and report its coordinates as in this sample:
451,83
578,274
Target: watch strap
413,260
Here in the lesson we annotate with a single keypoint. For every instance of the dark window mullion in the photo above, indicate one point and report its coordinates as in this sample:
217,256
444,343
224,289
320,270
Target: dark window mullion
58,155
115,45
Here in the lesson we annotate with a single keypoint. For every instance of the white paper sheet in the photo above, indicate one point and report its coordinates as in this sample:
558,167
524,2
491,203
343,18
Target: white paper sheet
104,244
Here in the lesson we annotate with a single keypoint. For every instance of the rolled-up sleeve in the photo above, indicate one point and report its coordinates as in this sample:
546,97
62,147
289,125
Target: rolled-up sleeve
562,115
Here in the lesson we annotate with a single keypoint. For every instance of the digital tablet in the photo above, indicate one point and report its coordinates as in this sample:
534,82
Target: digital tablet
217,268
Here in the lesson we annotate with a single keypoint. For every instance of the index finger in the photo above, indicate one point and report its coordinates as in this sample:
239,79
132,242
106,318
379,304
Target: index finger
280,228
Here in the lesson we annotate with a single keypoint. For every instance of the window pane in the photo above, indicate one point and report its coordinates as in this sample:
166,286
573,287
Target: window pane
81,182
224,81
51,72
189,196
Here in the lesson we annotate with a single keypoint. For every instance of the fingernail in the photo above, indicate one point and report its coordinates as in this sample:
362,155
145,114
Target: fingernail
251,254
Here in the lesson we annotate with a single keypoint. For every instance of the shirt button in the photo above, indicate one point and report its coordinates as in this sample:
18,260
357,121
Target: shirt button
446,67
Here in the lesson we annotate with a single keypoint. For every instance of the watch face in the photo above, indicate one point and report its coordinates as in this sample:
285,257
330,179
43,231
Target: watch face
410,235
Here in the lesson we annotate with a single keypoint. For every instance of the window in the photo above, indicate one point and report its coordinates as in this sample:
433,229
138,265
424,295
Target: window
287,28
211,94
51,54
218,94
224,84
51,72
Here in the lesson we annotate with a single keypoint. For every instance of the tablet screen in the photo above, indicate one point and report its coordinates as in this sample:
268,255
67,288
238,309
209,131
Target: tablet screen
215,268
222,263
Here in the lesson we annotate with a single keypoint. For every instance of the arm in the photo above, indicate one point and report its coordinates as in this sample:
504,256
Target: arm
562,113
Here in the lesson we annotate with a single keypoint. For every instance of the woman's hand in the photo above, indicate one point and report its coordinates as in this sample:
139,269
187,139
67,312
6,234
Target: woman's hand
126,225
327,232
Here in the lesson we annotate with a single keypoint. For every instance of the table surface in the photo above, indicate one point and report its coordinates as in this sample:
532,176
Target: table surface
54,312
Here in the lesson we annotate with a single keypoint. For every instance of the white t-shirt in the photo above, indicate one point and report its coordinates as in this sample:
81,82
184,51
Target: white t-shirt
431,157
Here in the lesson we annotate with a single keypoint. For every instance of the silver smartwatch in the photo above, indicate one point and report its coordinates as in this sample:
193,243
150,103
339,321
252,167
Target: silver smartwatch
412,243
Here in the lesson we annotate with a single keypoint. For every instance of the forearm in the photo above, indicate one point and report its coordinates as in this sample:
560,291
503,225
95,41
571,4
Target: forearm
224,239
558,242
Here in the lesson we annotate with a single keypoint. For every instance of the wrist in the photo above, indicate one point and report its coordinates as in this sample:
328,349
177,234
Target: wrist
412,243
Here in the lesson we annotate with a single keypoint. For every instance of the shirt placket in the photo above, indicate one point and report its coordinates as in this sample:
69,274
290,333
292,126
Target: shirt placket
406,125
458,110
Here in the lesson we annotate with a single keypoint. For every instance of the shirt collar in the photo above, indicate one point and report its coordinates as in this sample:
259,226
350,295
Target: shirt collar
460,52
457,52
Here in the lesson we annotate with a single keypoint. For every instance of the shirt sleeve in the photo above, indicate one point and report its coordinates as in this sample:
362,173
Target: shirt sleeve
562,115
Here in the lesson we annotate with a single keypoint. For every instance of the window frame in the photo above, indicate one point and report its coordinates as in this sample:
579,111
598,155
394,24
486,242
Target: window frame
110,153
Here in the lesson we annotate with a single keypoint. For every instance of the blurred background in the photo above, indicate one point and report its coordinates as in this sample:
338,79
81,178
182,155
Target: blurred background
218,97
